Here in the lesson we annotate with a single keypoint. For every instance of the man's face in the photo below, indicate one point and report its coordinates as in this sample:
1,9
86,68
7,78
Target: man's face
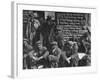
84,28
25,43
40,46
59,31
36,25
54,46
70,46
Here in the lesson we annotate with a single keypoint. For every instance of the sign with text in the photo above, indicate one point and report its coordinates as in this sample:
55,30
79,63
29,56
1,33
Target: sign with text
72,23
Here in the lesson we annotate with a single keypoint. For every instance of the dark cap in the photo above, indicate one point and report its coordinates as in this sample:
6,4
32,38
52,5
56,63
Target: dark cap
38,42
54,43
25,39
58,29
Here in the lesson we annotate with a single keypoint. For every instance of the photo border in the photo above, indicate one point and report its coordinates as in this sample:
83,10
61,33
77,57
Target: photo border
17,70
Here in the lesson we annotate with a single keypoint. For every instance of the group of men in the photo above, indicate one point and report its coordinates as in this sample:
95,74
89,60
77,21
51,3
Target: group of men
52,51
41,57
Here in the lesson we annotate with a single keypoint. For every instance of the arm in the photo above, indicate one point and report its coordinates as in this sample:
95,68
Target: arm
57,57
46,53
31,55
68,59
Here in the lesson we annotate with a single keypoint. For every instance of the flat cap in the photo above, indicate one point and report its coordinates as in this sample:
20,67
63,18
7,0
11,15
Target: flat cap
54,43
38,42
25,39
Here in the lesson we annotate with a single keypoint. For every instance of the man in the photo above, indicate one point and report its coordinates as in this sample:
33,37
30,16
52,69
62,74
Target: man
40,55
70,54
74,58
37,56
66,54
59,38
47,30
33,27
54,55
85,40
26,49
85,61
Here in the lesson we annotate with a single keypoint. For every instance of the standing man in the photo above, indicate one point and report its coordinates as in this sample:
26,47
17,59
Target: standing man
47,31
33,28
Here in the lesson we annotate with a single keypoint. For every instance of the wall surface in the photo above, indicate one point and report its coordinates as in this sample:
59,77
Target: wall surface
5,40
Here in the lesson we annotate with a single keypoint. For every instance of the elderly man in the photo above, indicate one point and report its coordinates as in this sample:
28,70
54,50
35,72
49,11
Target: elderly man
54,55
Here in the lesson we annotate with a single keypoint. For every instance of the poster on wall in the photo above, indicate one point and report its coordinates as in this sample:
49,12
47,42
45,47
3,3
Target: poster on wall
51,40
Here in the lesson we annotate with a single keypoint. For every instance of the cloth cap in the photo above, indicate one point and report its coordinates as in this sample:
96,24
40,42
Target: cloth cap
38,42
54,43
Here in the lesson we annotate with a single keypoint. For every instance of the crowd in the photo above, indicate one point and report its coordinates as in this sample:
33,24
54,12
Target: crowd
44,45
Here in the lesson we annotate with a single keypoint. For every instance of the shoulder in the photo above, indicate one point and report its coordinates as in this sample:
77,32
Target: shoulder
58,49
44,48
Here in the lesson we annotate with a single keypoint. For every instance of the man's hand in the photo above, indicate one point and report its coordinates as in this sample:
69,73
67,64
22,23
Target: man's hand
35,58
68,59
40,58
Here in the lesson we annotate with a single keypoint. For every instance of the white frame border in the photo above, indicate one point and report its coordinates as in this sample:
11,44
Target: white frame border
16,69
